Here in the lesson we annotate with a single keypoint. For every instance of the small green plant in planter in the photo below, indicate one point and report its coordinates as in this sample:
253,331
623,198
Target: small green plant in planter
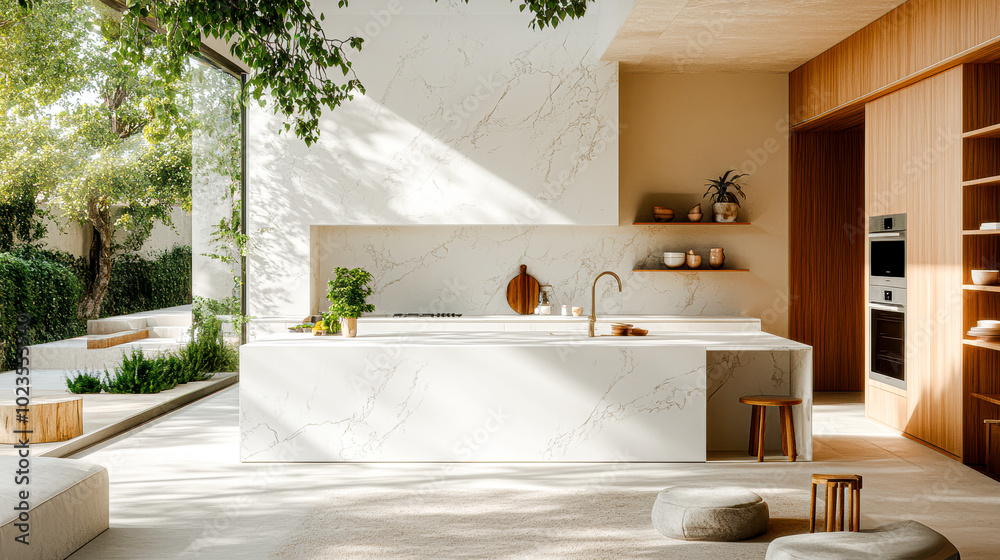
726,204
348,297
84,382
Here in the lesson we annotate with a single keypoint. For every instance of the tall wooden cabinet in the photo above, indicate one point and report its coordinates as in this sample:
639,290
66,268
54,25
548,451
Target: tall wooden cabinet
914,165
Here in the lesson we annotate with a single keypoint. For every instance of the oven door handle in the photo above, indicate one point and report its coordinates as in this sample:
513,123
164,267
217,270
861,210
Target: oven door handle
884,234
883,307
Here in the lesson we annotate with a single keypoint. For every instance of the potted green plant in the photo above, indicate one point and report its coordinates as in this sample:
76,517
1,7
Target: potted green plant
348,297
723,191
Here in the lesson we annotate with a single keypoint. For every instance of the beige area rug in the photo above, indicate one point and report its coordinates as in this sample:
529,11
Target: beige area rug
509,524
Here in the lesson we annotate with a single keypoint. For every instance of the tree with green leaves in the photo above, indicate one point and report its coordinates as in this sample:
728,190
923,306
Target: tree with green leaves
103,140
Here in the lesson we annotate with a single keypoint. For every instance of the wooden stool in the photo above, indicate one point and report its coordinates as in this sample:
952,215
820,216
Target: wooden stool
835,486
757,418
48,419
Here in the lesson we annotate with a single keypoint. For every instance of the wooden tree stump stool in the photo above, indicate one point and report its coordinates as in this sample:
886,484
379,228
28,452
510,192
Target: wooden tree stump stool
836,484
49,420
757,422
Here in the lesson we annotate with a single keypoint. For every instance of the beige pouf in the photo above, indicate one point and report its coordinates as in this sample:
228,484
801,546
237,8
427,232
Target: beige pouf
67,506
709,514
901,540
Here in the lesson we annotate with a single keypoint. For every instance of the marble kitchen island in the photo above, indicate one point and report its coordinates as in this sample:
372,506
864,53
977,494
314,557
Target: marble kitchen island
510,396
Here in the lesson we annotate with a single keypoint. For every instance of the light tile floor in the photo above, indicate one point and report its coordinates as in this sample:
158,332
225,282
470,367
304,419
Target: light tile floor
100,411
178,491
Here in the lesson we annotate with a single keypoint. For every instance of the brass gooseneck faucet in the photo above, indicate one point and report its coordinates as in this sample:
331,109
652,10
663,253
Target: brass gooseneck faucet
593,300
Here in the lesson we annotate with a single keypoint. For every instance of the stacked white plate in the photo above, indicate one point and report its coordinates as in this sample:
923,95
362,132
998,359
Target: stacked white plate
986,330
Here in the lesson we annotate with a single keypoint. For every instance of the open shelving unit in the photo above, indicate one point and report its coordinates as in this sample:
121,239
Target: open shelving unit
637,223
981,250
704,269
685,269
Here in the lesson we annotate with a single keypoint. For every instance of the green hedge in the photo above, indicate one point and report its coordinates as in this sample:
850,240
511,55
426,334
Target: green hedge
138,284
48,291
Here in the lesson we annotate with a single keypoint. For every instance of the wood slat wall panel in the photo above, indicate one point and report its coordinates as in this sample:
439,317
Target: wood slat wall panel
913,164
916,37
827,255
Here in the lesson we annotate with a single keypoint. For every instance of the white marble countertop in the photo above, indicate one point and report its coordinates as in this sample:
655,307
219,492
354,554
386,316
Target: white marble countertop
566,318
529,319
709,340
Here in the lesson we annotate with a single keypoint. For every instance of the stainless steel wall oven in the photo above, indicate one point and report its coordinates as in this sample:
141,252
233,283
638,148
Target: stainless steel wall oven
887,299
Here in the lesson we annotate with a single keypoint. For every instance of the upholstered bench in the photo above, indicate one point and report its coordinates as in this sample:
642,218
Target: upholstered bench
67,506
709,514
901,540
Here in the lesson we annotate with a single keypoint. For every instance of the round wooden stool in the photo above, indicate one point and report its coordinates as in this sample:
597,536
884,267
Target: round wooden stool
835,486
45,420
757,417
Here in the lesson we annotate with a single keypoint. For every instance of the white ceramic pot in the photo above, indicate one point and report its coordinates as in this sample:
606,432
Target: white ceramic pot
673,260
725,211
349,326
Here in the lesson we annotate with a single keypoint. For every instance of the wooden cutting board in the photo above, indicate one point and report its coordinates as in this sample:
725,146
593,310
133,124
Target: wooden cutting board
522,292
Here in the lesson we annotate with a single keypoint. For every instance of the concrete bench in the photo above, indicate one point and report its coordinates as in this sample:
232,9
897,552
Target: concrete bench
66,506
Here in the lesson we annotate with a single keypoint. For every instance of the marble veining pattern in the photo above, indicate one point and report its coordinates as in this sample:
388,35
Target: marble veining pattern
678,390
527,133
478,403
466,269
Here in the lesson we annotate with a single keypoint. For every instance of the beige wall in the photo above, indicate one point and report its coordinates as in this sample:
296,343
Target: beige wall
76,239
680,129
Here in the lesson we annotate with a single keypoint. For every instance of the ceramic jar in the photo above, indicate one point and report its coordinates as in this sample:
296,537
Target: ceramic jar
693,260
716,257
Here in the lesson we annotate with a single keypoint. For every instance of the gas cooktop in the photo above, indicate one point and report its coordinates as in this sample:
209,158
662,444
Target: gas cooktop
427,315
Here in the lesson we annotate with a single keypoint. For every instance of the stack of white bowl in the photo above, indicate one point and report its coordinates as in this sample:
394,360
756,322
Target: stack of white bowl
986,330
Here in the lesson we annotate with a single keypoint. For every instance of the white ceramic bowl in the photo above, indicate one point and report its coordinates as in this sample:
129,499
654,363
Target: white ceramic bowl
673,260
988,324
985,277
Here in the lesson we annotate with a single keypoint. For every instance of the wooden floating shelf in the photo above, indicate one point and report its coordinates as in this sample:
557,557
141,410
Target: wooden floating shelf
985,132
690,270
690,223
995,399
981,232
977,288
984,182
981,344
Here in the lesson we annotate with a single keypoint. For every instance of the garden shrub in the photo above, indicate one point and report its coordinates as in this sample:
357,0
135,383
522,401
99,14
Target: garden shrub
46,290
84,382
207,352
138,374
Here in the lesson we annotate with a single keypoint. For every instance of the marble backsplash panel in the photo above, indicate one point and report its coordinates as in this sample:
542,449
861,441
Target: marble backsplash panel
466,270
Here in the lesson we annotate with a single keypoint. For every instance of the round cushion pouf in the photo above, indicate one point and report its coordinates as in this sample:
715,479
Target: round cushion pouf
709,514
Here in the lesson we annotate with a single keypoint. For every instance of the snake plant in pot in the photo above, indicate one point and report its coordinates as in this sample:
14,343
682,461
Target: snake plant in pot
723,193
348,297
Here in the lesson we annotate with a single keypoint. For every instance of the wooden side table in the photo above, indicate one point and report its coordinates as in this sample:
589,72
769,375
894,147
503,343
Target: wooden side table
758,415
49,419
836,484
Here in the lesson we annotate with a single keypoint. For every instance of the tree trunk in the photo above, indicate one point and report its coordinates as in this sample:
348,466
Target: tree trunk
99,275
